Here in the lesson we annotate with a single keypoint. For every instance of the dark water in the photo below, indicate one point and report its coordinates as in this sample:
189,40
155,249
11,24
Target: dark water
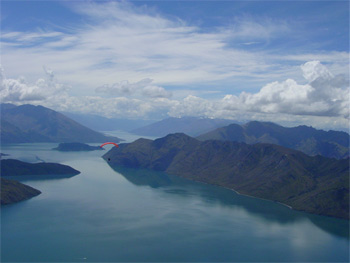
118,214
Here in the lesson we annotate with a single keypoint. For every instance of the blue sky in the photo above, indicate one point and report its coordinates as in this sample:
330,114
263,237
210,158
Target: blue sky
283,61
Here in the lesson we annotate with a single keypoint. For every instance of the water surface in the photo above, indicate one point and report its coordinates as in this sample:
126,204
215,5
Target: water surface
119,214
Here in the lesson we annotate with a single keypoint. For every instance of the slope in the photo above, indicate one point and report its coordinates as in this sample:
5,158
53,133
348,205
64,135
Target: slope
314,184
28,123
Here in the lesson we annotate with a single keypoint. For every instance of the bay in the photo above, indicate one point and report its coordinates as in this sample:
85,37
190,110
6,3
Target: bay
114,214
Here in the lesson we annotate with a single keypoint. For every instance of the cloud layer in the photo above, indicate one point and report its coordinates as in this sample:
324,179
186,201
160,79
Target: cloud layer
18,90
323,96
141,88
129,60
120,41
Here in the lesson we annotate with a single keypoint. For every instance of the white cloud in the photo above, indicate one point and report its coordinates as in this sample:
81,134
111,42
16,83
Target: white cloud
314,70
323,95
50,93
18,90
192,106
156,92
124,87
249,28
120,41
122,107
28,38
143,87
133,54
322,102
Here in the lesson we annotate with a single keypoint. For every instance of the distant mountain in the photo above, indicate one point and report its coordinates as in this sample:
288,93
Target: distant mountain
100,123
334,144
76,147
314,184
28,123
189,125
13,192
12,167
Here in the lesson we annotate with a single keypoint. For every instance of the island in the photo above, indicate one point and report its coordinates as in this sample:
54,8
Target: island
13,192
313,184
76,147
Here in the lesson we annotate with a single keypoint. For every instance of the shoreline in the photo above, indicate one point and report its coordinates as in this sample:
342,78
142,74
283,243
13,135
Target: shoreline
290,207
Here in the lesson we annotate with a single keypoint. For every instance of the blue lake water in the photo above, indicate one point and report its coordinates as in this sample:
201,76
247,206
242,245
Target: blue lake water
118,214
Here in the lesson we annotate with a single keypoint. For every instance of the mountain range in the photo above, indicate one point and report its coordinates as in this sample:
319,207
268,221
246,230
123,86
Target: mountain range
317,184
189,125
29,123
334,144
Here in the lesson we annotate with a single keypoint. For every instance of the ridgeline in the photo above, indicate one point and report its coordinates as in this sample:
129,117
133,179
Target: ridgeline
317,184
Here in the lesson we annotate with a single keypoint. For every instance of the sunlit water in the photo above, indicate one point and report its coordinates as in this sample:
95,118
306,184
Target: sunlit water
119,214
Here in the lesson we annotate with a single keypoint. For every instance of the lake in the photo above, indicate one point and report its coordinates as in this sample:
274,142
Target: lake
111,214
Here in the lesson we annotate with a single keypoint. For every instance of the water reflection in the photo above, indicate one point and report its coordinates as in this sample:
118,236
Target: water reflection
41,177
266,210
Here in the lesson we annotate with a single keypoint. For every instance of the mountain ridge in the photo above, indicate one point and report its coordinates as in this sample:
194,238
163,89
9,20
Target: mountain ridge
334,144
29,123
312,184
13,167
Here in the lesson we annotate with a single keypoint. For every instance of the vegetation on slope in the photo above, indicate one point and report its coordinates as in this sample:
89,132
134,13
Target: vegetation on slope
29,123
314,184
12,167
13,191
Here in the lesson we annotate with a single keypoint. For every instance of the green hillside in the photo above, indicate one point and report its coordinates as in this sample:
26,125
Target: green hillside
13,192
12,167
314,184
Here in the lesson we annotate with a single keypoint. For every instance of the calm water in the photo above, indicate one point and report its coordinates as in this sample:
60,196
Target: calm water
118,214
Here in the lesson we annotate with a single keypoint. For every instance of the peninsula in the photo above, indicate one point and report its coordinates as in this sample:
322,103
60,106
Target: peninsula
313,184
12,167
13,192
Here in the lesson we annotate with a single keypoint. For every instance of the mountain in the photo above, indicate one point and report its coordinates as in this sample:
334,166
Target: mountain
100,123
28,123
334,144
12,167
313,184
76,147
13,192
189,125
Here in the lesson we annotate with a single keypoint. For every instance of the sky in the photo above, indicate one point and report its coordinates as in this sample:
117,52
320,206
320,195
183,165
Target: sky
280,61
